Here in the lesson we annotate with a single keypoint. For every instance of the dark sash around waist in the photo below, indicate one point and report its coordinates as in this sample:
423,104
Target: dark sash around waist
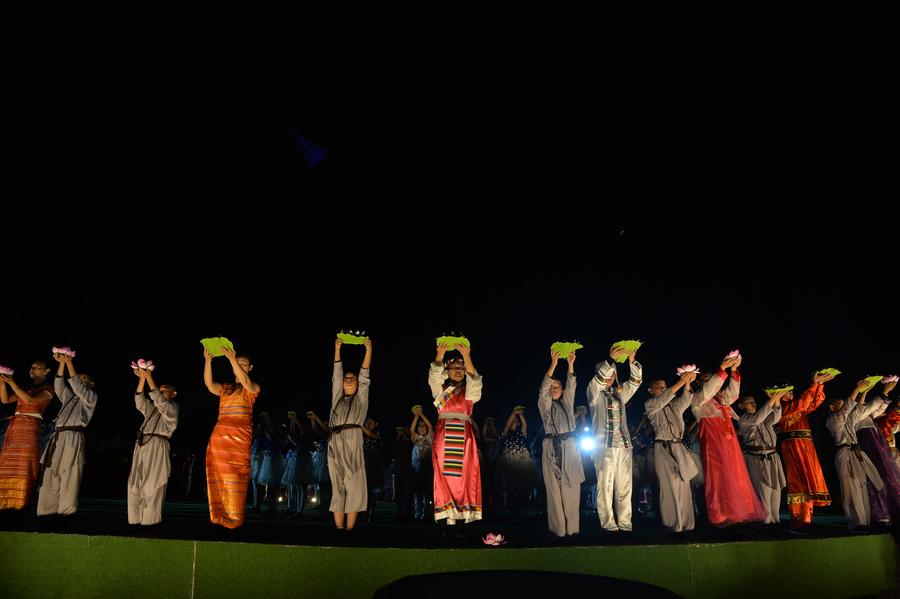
854,447
800,434
760,451
343,427
48,460
144,438
557,440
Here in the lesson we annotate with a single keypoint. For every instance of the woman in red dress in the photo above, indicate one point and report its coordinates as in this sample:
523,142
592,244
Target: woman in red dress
456,386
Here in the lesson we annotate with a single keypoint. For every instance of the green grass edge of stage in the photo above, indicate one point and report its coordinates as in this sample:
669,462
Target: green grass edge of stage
44,565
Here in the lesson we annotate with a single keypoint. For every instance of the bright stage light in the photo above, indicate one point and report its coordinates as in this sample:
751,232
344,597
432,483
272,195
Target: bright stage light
587,443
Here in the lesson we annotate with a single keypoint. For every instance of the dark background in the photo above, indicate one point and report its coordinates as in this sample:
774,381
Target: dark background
699,190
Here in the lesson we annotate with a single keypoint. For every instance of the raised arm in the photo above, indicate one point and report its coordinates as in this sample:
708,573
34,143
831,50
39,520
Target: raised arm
733,390
242,376
168,410
634,379
62,390
363,379
427,422
18,392
568,396
86,394
509,421
214,387
760,415
473,379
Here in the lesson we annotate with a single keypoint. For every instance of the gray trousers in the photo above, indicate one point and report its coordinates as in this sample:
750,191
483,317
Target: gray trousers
676,502
562,505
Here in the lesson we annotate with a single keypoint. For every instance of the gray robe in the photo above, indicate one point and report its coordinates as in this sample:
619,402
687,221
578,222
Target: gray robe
561,461
853,466
150,463
763,465
62,479
674,465
346,464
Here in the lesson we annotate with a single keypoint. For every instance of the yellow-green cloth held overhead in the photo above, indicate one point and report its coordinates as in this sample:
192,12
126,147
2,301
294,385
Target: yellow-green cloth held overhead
413,410
870,382
214,345
351,339
565,348
453,341
628,345
833,371
774,390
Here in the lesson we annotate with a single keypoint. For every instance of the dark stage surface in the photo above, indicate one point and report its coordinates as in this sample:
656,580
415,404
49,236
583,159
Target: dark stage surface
190,520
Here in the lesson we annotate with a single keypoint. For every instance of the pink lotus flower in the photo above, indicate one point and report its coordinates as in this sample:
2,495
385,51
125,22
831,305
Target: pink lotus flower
6,370
494,539
686,368
733,354
891,378
143,364
64,350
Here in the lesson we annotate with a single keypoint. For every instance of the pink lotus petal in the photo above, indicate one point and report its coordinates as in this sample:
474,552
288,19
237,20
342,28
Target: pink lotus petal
151,367
733,354
494,540
142,363
55,350
134,365
891,378
6,370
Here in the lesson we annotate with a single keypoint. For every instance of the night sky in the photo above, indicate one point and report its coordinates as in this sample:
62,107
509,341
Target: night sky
699,191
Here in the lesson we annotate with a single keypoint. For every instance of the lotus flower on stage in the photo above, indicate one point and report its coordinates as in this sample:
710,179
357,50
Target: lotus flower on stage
687,368
64,350
891,378
733,354
494,539
6,370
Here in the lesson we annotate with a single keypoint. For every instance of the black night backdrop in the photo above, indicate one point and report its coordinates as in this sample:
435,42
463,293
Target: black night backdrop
699,192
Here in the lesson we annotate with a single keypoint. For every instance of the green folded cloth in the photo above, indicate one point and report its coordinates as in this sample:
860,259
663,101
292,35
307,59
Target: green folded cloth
214,345
629,346
565,348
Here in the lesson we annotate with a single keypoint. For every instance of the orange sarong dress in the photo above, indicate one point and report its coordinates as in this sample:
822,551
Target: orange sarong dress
228,458
21,454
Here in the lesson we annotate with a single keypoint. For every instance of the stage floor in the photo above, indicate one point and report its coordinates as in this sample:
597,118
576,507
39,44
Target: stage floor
96,553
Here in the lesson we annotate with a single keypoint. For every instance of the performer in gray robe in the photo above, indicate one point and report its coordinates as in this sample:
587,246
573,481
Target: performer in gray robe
346,464
674,465
612,459
150,463
63,458
853,466
756,429
561,460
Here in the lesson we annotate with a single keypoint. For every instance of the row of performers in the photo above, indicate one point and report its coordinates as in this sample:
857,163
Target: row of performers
741,485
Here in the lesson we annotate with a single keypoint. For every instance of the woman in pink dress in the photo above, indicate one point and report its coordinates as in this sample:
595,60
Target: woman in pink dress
730,498
456,386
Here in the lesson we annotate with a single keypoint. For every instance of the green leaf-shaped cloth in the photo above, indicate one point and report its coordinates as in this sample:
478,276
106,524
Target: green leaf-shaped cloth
351,339
214,345
833,371
870,382
629,345
452,342
774,390
565,348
